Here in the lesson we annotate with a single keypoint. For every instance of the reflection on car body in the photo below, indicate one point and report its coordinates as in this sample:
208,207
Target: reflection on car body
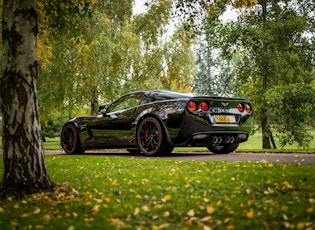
153,122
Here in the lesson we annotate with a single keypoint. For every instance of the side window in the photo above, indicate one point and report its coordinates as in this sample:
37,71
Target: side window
126,102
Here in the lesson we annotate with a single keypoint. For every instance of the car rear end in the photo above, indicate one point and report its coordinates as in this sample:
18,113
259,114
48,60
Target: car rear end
211,121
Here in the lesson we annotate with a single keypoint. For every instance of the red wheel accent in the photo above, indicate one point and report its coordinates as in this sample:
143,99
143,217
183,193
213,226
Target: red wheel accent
70,140
149,137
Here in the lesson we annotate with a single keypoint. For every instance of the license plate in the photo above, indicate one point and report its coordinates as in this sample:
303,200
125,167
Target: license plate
224,119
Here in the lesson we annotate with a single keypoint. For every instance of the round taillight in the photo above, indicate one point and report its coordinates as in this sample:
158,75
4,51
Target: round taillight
240,107
204,106
192,106
248,108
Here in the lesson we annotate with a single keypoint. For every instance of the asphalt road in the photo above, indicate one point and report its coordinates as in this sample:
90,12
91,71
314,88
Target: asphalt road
292,158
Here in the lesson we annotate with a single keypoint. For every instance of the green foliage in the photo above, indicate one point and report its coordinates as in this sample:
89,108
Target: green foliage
270,47
51,128
103,51
121,193
294,103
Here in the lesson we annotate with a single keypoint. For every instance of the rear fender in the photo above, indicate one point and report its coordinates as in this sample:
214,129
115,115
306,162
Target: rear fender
145,114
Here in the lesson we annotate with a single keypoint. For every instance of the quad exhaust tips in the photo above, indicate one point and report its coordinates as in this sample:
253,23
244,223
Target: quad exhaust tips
224,139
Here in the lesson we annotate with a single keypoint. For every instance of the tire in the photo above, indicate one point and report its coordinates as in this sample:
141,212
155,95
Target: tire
223,149
151,138
70,140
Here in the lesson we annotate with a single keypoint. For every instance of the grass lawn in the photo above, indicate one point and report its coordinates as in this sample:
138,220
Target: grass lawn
99,192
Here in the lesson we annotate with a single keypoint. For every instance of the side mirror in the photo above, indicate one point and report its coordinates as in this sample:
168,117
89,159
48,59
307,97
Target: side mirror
102,109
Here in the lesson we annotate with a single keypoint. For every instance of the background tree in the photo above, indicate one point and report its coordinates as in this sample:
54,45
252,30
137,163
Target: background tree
104,51
274,40
23,155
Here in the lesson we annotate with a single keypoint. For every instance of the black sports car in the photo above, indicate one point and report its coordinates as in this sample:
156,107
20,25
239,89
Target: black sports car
153,122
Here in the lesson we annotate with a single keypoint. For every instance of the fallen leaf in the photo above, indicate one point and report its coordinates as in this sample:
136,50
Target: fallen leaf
191,212
206,218
95,209
287,184
210,209
166,198
37,211
230,227
88,220
166,214
137,211
250,214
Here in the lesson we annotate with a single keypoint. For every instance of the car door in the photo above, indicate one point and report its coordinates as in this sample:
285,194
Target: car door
113,128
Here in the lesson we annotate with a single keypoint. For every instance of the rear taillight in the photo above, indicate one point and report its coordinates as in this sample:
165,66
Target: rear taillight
240,107
248,108
204,106
192,106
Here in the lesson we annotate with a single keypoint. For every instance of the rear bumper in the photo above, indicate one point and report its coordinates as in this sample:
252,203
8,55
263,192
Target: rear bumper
198,131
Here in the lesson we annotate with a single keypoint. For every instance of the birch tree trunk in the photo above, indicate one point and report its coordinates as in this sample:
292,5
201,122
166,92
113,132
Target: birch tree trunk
25,170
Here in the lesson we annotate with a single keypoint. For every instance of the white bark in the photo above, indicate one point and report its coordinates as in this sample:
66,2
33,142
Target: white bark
24,165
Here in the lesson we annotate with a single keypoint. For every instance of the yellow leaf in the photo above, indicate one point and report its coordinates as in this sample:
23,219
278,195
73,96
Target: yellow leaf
37,211
210,209
230,227
165,225
226,220
206,218
166,214
96,176
287,184
191,212
47,217
138,196
310,210
250,214
107,199
24,215
114,182
166,198
95,209
88,220
219,203
71,228
39,227
137,211
301,225
118,222
250,202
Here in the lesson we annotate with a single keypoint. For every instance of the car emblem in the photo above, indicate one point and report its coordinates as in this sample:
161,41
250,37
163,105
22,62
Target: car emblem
225,103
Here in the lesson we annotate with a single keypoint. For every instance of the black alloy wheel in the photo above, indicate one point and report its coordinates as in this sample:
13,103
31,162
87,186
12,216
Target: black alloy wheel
150,139
70,140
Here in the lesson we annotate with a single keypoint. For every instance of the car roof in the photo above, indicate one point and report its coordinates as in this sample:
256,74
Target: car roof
168,94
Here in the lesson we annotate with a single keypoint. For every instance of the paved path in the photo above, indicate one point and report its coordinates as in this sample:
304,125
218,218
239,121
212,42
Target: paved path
294,158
